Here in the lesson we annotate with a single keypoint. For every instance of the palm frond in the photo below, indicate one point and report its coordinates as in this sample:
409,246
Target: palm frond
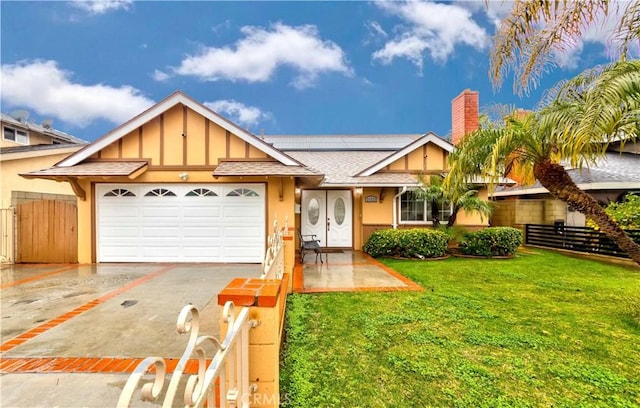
590,111
528,40
628,31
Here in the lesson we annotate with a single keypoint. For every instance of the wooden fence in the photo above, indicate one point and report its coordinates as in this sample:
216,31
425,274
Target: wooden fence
47,232
580,239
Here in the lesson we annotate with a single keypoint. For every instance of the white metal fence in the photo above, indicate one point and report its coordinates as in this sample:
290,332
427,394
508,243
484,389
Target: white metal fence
224,382
7,218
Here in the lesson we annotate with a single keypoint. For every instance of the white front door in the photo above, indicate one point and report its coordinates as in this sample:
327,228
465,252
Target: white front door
328,214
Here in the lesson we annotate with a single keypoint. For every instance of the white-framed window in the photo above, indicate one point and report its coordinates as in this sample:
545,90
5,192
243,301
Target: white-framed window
415,209
243,192
15,135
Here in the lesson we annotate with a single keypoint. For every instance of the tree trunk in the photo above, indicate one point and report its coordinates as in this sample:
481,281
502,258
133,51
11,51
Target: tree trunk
435,214
556,179
453,216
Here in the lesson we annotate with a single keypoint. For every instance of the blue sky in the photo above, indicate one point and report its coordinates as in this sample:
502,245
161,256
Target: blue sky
285,67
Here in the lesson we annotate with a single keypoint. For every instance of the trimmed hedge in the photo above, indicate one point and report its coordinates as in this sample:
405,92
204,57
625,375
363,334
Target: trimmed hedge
494,241
407,243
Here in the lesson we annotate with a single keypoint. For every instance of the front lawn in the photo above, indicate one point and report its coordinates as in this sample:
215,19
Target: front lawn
542,329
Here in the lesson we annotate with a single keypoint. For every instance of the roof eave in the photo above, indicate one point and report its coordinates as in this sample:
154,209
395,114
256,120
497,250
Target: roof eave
629,185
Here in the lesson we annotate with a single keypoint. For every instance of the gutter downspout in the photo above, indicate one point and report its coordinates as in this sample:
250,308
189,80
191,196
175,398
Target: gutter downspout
395,205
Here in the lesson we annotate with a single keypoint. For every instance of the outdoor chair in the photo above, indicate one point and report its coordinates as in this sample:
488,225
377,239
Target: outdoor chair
312,244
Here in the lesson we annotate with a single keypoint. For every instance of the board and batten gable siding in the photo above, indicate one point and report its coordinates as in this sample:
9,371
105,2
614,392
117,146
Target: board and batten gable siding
428,157
161,141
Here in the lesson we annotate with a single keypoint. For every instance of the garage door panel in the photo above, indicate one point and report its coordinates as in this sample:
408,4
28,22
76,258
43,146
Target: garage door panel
157,236
242,254
121,211
194,234
201,252
158,211
162,250
201,221
198,210
193,226
243,211
248,233
119,232
123,252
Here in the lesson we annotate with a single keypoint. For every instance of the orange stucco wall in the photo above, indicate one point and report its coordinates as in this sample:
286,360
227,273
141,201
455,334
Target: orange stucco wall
162,142
11,181
380,212
474,219
429,157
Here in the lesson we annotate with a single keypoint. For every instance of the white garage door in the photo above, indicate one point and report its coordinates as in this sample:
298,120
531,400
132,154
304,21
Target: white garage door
180,222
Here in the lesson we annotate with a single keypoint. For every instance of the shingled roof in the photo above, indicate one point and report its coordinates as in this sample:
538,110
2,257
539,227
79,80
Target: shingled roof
614,171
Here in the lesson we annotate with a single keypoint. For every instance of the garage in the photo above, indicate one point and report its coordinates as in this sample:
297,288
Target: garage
180,222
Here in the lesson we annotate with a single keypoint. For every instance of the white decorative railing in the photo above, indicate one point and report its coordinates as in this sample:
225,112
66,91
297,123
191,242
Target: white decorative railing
273,263
224,382
7,216
200,388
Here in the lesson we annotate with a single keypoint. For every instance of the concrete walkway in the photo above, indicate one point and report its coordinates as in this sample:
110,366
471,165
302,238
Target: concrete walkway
72,334
349,271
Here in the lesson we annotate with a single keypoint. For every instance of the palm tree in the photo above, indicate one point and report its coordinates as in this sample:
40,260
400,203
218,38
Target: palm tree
433,193
528,39
460,198
577,121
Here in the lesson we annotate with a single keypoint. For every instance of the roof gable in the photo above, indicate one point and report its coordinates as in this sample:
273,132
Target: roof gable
163,106
427,138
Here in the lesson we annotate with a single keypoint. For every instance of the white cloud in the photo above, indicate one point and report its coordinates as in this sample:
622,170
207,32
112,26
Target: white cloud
238,112
48,90
435,28
102,6
257,56
377,28
160,76
495,10
598,33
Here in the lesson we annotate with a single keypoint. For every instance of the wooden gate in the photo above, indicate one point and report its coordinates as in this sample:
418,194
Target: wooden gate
47,232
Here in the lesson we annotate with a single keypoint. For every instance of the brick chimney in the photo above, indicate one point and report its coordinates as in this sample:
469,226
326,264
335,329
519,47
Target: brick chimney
464,114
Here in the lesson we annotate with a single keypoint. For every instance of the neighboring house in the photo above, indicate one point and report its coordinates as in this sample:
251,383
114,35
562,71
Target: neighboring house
610,179
180,183
26,147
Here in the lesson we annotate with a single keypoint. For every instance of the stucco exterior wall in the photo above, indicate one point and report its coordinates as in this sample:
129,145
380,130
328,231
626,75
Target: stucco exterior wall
474,218
428,158
162,142
381,211
11,181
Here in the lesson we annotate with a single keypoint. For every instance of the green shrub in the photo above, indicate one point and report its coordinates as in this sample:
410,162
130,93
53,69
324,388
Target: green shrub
625,213
407,243
495,241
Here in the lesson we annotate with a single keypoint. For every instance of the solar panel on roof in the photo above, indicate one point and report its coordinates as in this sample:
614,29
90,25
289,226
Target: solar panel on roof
341,142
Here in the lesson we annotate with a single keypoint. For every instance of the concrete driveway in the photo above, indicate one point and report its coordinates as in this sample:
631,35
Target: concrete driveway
71,334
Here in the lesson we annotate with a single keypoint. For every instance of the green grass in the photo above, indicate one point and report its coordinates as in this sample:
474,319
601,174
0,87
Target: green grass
542,329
